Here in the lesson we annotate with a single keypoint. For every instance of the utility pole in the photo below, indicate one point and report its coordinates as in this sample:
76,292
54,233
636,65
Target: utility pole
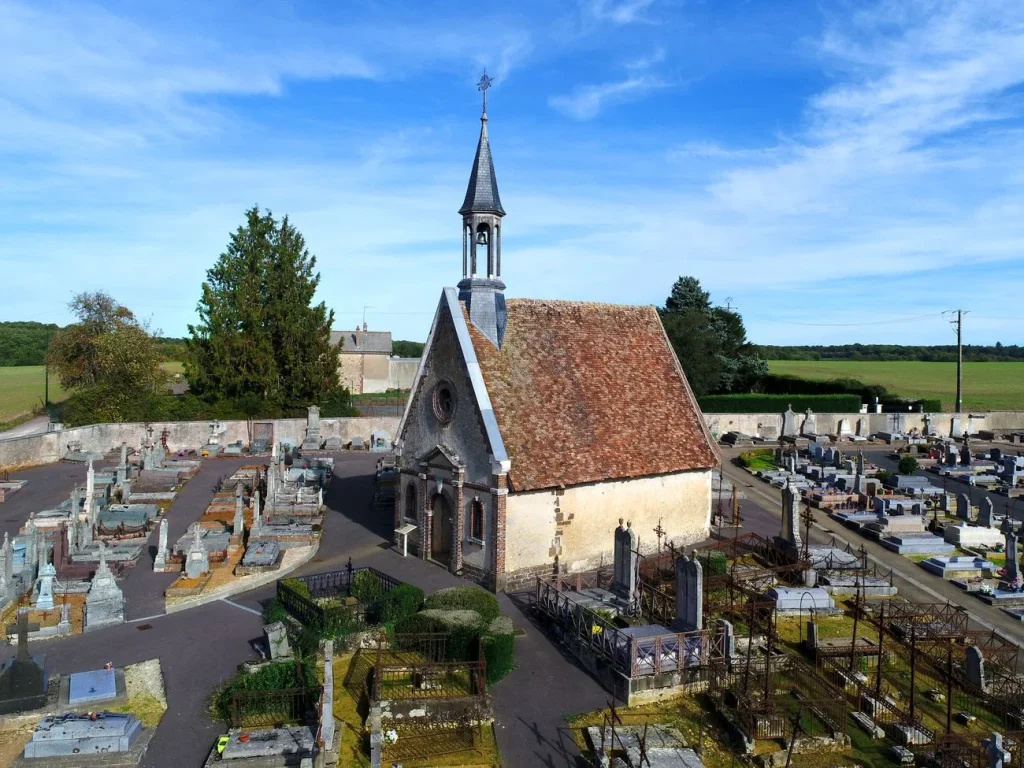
958,323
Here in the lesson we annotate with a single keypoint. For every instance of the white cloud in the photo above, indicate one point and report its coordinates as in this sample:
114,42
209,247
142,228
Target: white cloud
586,101
618,11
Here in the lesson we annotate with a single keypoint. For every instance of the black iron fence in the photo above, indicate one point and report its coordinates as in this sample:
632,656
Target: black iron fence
414,740
325,586
273,708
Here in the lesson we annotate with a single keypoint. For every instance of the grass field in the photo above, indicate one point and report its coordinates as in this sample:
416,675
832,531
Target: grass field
21,389
987,386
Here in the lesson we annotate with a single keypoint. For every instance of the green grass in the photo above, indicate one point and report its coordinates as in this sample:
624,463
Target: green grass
21,389
991,386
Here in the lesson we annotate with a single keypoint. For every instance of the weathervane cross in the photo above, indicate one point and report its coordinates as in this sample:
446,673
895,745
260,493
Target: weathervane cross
483,85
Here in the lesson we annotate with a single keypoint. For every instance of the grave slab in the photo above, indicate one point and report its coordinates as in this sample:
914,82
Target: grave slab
89,687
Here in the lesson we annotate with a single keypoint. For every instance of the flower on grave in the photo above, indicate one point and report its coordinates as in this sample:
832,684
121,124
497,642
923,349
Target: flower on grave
390,737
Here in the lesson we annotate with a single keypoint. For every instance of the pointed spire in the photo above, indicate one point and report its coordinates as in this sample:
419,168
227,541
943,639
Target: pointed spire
482,192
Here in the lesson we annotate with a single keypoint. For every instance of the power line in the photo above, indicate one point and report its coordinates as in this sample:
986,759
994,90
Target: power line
958,324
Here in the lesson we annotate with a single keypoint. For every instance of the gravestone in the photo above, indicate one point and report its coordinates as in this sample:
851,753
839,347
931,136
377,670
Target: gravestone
104,604
963,506
311,442
6,566
23,682
998,756
122,467
728,634
858,483
327,699
277,640
44,602
860,462
64,625
1010,548
839,459
996,455
257,516
90,488
160,562
789,426
239,523
965,454
985,512
862,427
812,635
791,462
59,736
844,428
197,561
625,567
955,430
95,685
951,458
790,533
810,425
689,595
976,667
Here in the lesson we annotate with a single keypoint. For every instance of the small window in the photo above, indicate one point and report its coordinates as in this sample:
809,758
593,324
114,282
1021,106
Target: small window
444,401
476,520
410,502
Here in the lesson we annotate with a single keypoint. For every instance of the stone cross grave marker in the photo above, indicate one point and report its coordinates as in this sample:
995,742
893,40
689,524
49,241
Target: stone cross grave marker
197,561
810,425
998,756
239,522
625,568
965,454
312,440
47,575
104,603
844,428
689,594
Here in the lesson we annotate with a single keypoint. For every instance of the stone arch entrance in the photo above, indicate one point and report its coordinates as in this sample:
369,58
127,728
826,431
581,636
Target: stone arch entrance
441,529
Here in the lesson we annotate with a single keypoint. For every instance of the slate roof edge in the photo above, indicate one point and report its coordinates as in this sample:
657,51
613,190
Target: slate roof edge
476,376
602,480
715,450
420,371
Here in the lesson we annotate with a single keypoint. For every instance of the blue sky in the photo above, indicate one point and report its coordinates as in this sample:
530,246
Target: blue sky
839,171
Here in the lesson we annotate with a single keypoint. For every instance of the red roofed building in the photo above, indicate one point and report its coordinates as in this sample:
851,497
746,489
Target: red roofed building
533,426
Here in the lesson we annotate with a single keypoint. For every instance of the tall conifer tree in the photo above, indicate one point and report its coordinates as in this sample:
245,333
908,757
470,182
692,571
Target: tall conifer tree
260,341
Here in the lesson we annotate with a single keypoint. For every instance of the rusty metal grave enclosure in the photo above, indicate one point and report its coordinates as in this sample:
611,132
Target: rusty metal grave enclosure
428,706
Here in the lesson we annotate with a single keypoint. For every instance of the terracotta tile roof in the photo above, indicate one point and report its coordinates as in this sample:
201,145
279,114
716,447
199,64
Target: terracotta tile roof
586,392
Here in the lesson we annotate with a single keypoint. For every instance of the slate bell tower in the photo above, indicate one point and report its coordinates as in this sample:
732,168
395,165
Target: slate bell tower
481,287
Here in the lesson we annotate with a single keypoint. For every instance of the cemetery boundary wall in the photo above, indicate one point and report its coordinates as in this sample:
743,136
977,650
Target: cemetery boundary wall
50,447
757,424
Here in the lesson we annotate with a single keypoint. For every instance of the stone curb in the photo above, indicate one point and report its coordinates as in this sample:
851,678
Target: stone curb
229,590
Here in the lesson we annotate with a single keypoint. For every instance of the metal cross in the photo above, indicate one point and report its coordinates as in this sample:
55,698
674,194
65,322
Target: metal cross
483,85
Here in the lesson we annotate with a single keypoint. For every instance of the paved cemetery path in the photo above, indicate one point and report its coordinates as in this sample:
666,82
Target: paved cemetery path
201,647
46,488
914,582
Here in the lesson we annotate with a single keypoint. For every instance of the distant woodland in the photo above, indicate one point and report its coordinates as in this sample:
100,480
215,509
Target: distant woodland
938,354
25,343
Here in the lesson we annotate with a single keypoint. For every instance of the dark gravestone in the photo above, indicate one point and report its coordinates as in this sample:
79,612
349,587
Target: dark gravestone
22,681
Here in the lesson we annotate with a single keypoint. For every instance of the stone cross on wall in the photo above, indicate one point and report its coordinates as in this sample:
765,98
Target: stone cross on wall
985,513
689,595
625,564
1010,548
963,506
312,439
790,533
998,756
789,428
160,562
810,425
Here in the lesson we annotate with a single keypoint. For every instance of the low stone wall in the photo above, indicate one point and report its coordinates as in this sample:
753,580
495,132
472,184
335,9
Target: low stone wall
50,447
757,424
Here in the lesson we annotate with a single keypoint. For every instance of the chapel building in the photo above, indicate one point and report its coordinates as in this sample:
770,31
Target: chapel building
533,426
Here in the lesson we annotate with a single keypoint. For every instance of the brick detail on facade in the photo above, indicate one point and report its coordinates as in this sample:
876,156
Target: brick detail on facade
478,575
499,496
458,524
426,519
524,580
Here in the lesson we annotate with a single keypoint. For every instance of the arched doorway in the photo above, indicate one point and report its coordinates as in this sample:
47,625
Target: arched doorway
441,538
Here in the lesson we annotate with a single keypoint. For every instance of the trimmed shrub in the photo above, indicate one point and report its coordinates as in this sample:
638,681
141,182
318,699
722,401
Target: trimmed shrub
272,677
757,457
463,629
366,587
276,612
753,403
401,602
498,645
300,587
465,599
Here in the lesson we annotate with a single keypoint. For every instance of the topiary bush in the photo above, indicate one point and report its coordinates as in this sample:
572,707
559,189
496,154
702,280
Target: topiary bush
463,628
299,587
908,465
366,587
401,602
498,646
465,599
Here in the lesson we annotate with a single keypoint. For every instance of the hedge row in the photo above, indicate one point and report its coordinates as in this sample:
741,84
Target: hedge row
754,403
465,599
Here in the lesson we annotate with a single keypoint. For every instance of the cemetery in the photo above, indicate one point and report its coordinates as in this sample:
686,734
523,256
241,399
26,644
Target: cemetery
412,673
